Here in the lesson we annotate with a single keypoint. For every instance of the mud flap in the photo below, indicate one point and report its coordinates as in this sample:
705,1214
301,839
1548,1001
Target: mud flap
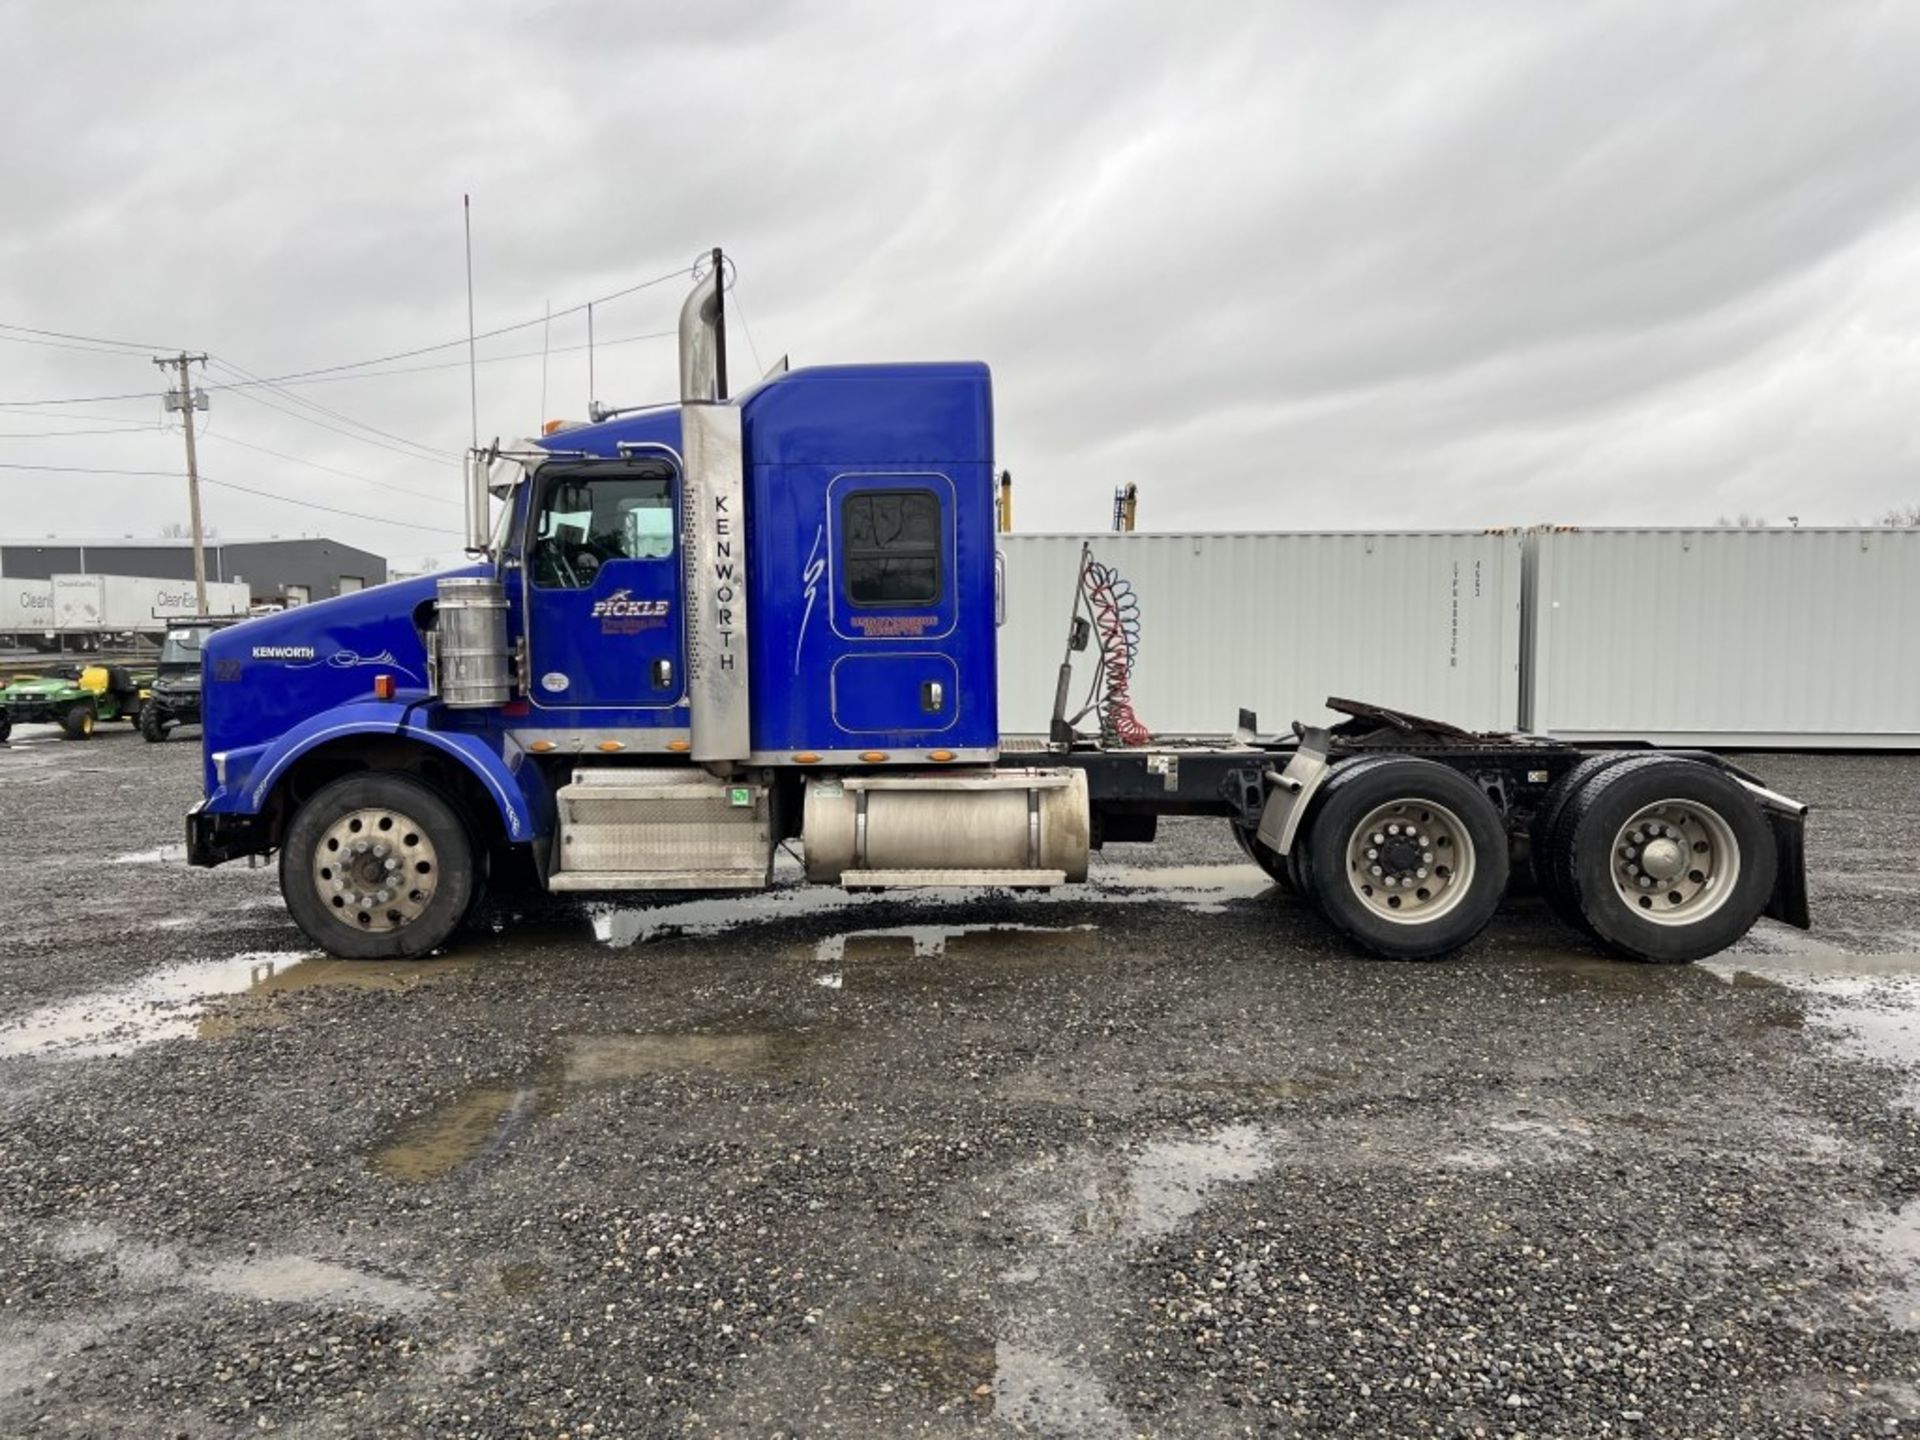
1788,902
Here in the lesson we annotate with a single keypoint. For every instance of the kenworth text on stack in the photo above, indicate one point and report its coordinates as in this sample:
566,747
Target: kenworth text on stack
698,631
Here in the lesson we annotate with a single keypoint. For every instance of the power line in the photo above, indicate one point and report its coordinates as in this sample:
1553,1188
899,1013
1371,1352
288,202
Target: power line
85,470
346,419
331,470
128,345
63,434
483,335
330,509
455,364
273,380
293,414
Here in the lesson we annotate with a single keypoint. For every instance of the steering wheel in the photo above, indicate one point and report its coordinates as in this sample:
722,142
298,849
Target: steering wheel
587,565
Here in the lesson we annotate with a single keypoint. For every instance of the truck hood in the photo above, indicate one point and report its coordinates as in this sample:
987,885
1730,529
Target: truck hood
263,676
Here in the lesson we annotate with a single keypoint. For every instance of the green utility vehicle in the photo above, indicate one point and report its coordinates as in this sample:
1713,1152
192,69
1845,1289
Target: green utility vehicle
74,702
174,698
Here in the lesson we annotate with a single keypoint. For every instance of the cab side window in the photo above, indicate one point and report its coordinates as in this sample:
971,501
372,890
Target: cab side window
890,548
586,521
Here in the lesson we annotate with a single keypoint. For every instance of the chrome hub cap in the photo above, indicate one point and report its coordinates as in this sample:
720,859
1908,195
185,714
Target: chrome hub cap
376,869
1410,861
1675,862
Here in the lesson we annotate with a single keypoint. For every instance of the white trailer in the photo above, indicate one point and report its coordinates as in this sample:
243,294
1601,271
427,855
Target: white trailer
26,607
91,604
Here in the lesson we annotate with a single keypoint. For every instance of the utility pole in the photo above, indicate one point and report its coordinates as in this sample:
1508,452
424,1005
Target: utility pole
186,400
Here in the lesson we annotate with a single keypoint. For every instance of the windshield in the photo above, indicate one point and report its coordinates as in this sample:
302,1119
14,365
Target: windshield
182,647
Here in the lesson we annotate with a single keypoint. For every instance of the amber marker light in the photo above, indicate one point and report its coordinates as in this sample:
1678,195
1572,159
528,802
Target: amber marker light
940,755
610,746
806,757
873,757
679,747
541,747
383,687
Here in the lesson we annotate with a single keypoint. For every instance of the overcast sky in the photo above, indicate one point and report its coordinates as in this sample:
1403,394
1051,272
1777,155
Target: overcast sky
1335,265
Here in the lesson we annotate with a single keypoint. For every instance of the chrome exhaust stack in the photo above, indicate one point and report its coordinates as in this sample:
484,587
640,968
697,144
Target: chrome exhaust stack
703,338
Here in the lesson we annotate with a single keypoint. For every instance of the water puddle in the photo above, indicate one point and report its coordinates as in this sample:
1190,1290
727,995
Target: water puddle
1205,889
946,1356
1868,1006
1091,1212
482,1122
852,949
1170,1181
477,1123
1896,1238
284,1279
172,1003
1053,1393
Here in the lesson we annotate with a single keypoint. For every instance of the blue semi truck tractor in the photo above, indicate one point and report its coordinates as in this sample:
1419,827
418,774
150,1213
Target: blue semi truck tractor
698,631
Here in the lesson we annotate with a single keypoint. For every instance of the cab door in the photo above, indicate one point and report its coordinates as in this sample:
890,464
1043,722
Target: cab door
604,615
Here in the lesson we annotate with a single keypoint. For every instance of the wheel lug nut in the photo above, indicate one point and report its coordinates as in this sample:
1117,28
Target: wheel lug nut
1376,871
1421,873
1373,854
1427,855
1646,882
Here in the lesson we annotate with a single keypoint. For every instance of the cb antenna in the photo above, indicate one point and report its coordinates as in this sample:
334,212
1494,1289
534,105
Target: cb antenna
473,363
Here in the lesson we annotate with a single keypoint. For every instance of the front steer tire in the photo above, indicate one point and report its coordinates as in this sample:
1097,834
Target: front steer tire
153,723
334,876
1455,857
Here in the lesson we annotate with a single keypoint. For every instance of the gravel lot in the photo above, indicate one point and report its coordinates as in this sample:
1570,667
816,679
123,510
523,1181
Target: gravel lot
1151,1160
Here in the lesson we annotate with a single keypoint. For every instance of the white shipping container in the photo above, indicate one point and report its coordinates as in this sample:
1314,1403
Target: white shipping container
1427,622
1725,637
26,607
133,602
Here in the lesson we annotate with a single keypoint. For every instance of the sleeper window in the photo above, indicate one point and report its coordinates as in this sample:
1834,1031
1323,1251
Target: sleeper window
890,547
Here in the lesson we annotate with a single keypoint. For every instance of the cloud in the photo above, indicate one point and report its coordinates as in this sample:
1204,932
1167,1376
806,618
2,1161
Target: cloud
1396,265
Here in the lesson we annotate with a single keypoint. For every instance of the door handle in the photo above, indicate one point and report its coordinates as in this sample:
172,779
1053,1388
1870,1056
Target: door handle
663,674
932,697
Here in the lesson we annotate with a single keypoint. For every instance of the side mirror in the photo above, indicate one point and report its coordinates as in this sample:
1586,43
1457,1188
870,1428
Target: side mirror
999,588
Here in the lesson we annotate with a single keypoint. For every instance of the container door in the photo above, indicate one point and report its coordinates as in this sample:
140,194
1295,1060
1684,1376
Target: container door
893,601
603,579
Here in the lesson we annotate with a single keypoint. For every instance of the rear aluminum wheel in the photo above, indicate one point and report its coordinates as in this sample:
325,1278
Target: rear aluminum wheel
1676,862
1667,860
1410,861
1405,857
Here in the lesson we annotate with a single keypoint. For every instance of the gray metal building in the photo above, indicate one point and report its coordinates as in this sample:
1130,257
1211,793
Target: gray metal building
284,571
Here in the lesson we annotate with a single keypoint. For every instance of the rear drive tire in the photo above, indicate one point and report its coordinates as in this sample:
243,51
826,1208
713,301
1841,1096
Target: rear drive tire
1406,858
1552,835
153,723
377,867
1693,835
1275,866
78,722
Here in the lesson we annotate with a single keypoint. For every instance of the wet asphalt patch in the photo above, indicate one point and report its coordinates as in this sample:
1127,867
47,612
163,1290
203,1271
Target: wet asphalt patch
1155,1158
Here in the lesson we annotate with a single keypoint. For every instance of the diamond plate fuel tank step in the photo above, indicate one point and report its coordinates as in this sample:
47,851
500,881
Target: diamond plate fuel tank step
632,829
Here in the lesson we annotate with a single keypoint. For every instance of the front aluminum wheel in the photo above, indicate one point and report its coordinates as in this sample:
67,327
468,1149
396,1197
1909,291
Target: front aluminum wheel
376,869
1675,862
1410,861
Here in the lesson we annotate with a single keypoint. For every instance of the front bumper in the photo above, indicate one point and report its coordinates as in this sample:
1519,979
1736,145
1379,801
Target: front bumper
215,839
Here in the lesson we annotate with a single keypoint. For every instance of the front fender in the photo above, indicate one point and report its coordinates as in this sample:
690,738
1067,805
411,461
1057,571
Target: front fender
519,790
